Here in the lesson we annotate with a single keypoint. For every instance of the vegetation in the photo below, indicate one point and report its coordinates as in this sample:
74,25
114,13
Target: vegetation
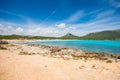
2,48
104,35
69,36
23,37
109,61
24,53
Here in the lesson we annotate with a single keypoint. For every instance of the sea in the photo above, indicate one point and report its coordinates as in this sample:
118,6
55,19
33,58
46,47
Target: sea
105,46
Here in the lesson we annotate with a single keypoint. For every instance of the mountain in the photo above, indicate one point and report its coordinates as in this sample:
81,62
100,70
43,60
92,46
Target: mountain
69,36
14,36
104,35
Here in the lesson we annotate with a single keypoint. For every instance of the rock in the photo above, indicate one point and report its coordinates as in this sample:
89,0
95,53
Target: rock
3,42
118,57
56,56
67,57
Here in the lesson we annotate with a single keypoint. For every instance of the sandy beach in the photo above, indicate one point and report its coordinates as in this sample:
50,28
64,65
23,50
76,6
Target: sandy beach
59,39
33,62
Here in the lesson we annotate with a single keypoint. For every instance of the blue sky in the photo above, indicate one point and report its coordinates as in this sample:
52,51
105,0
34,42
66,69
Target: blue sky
58,17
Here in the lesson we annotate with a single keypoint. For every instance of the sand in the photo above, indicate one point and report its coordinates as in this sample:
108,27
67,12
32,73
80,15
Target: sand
36,67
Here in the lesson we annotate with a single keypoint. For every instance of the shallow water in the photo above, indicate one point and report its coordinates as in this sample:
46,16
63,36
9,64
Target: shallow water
106,46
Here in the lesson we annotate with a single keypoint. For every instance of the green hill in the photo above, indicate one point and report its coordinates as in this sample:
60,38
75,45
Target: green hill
104,35
24,37
69,36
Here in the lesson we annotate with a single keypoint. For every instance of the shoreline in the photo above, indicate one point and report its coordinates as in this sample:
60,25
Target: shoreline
55,51
33,40
25,42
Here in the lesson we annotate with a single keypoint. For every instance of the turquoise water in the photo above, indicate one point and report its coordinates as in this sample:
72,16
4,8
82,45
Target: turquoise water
106,46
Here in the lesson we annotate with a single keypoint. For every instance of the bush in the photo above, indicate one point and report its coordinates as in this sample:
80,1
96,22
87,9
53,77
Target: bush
23,53
3,48
109,61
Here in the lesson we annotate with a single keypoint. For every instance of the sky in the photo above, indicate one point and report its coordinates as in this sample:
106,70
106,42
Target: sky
58,17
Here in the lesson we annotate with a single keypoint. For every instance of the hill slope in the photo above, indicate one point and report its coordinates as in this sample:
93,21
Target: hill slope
69,36
24,37
109,35
103,35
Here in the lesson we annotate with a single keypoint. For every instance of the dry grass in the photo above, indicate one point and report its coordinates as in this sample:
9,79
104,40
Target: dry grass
23,53
109,61
2,48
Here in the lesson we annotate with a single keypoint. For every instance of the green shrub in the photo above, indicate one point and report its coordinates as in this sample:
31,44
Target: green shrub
2,48
23,53
109,61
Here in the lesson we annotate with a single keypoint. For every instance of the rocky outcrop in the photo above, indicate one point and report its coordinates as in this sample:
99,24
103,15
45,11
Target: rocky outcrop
56,52
3,42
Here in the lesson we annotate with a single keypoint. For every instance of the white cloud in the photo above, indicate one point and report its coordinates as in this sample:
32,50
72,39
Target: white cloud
61,25
104,14
1,27
76,16
115,3
45,30
52,13
10,29
27,19
42,31
19,30
103,21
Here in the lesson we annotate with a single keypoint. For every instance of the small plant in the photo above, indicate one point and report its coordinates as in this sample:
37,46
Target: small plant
109,61
81,67
2,48
23,53
93,66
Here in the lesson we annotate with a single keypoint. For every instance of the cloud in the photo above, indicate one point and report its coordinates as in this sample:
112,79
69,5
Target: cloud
1,27
27,19
51,30
19,30
102,20
115,3
61,25
81,14
35,29
99,25
11,13
75,17
52,13
10,29
104,14
42,31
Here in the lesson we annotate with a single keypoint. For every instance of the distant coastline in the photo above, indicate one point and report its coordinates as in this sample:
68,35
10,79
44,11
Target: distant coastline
103,35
